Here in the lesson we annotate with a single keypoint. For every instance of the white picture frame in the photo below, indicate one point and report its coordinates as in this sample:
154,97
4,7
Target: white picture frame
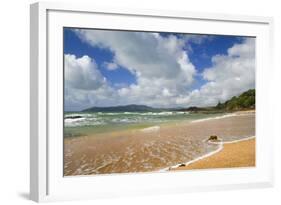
46,178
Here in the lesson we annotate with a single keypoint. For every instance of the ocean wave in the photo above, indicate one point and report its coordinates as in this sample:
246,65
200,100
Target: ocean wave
214,118
73,120
84,115
164,113
151,129
109,113
76,122
124,120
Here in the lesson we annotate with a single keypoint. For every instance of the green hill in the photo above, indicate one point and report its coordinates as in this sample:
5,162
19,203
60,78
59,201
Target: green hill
242,102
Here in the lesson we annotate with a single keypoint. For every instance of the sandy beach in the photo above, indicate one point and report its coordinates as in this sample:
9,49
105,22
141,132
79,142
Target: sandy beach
160,147
236,154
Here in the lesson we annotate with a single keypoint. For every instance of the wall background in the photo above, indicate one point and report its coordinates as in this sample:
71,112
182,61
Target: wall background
14,101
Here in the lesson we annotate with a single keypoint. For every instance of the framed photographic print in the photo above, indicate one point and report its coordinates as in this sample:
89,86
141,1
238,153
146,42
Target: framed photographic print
127,102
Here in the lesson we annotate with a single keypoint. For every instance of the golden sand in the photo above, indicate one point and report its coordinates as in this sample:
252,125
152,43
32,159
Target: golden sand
237,154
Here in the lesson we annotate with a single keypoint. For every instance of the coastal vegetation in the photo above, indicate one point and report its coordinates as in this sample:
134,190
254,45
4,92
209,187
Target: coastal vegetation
244,101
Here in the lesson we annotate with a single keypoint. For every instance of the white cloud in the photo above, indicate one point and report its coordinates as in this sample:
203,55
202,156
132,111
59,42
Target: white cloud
144,54
84,84
197,38
82,73
230,75
110,66
157,62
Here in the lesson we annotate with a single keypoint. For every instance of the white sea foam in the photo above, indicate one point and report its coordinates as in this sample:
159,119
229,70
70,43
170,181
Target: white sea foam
109,113
234,141
194,160
76,122
214,118
181,112
129,113
80,114
206,155
151,129
71,120
164,113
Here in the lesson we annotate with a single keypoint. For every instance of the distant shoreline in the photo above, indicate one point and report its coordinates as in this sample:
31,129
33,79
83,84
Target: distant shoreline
167,110
244,101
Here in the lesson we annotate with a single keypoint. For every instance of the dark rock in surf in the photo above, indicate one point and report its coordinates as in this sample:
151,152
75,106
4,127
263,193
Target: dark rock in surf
213,138
73,117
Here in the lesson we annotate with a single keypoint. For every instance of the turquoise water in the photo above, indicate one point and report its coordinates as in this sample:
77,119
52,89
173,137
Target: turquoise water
82,123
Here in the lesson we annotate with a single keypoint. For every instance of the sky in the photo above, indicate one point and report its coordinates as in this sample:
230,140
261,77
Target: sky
166,70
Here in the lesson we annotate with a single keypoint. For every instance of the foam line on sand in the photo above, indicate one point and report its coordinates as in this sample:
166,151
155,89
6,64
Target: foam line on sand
220,148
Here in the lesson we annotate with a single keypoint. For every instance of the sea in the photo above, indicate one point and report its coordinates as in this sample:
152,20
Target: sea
89,123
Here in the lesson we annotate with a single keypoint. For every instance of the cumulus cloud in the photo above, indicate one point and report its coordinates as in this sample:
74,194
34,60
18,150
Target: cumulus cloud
230,75
144,54
82,73
197,38
110,66
159,63
84,84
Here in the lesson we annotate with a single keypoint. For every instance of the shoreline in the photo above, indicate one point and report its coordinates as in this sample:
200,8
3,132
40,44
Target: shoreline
154,149
216,159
